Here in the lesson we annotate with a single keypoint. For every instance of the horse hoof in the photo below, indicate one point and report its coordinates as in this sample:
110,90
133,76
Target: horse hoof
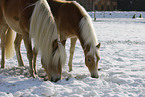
70,70
35,72
21,65
2,66
33,76
45,78
99,69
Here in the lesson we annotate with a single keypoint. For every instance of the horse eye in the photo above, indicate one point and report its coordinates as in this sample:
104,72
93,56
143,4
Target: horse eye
89,60
53,53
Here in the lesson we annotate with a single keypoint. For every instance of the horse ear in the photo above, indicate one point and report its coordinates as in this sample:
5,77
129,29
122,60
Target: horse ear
98,46
55,45
87,48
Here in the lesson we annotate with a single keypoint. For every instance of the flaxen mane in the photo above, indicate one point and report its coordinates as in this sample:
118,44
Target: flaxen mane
87,30
43,30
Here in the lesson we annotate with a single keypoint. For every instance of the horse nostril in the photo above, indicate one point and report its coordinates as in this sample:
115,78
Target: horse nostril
95,76
54,80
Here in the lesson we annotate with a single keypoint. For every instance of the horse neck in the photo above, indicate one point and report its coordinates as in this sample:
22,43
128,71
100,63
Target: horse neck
86,47
87,35
54,5
43,30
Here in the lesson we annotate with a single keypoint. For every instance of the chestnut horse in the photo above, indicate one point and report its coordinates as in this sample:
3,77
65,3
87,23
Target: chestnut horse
33,20
74,22
7,39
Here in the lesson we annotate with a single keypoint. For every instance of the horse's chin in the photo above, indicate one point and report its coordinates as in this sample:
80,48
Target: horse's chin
55,78
94,74
97,76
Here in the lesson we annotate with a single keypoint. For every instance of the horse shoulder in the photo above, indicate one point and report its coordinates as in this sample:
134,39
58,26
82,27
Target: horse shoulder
25,14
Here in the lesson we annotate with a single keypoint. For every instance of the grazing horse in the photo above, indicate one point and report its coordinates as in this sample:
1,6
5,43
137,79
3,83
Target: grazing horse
33,20
73,22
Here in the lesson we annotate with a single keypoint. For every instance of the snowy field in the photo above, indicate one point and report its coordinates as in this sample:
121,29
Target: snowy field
122,62
117,14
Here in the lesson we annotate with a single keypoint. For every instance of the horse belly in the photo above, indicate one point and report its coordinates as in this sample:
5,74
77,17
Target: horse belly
11,14
66,31
13,25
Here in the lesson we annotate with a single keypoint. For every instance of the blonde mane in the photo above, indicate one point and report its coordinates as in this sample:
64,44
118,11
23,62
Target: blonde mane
87,30
43,30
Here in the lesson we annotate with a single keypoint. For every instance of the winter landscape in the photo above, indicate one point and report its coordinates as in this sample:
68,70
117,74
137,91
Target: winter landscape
122,64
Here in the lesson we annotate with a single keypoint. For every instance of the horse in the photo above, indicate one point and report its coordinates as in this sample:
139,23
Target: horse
73,22
33,20
7,40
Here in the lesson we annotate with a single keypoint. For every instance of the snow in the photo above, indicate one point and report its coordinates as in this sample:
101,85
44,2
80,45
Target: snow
122,66
117,14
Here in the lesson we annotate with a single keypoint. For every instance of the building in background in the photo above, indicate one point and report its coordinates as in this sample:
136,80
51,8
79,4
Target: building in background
105,5
131,5
87,4
112,5
100,5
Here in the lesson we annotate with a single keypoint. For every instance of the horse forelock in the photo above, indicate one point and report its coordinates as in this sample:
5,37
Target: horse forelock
93,52
59,56
43,30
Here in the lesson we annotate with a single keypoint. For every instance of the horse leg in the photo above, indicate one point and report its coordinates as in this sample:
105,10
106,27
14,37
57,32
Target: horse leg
72,48
34,59
3,29
17,49
63,42
28,46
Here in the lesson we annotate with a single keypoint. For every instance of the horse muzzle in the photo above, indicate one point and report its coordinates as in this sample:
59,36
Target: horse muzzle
94,74
55,78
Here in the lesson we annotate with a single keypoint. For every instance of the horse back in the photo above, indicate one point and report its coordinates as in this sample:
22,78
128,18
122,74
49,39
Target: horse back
67,16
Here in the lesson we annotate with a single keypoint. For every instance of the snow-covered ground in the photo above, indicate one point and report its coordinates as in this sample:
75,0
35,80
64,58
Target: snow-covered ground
122,62
117,14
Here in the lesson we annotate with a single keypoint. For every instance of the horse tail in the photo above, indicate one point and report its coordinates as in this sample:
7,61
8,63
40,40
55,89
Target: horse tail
9,46
43,30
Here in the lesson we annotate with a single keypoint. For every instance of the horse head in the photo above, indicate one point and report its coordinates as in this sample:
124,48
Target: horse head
53,71
54,67
92,58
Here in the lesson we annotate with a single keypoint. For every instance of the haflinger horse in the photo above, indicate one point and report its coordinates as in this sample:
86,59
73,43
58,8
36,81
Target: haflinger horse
7,40
33,20
73,22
